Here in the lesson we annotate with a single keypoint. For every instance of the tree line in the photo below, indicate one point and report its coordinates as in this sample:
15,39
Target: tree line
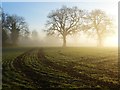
67,21
62,22
14,28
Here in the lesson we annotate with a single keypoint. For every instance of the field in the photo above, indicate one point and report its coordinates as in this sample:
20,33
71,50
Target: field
55,67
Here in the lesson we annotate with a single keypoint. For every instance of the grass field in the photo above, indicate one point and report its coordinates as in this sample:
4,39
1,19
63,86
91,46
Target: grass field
55,67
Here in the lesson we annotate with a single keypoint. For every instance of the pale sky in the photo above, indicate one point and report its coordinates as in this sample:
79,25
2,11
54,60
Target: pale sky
36,13
59,0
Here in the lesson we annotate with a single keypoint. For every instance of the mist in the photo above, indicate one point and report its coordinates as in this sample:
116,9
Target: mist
77,40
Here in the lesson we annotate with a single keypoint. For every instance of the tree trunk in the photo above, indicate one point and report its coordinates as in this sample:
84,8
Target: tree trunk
14,34
100,43
64,41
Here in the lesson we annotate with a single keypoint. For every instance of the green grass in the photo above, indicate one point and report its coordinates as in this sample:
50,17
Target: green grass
55,67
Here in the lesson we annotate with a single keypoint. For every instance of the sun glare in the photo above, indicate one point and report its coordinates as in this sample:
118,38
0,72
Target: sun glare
111,41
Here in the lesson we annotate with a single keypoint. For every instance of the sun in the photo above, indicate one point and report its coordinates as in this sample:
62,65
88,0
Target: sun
111,41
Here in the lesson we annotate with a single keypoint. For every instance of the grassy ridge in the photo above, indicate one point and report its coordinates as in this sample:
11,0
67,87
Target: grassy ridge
58,67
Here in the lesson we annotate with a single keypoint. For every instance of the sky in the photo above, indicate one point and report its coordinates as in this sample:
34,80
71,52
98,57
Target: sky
35,13
59,0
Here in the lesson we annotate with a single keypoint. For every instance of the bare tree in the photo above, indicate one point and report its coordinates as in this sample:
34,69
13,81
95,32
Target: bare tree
34,35
100,25
0,26
65,21
16,24
3,28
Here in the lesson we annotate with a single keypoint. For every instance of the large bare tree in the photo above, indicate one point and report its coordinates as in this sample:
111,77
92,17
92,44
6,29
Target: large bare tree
99,25
65,21
16,25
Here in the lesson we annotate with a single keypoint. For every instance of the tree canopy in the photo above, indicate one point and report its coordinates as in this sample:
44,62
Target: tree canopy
16,25
99,25
65,21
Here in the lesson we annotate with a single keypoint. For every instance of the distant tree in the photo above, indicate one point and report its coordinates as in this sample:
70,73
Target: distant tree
34,35
99,25
15,24
1,11
26,34
64,22
4,30
0,26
